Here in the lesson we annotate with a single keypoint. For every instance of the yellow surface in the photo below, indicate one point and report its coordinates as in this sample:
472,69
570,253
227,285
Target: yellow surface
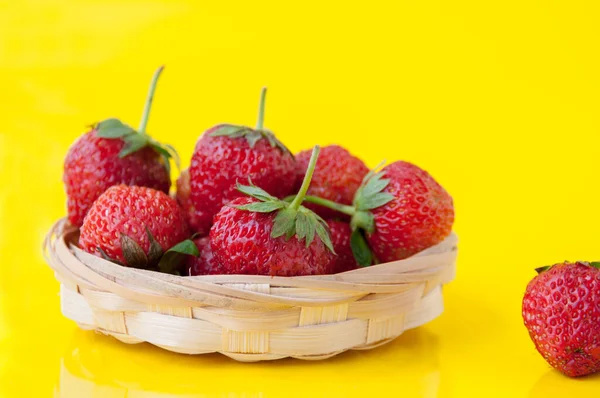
498,100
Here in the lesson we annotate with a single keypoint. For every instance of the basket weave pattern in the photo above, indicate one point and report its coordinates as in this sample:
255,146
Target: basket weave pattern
250,317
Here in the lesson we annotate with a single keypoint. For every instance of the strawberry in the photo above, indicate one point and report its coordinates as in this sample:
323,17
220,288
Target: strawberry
400,215
134,226
340,238
225,154
183,198
561,310
113,153
205,263
337,177
262,234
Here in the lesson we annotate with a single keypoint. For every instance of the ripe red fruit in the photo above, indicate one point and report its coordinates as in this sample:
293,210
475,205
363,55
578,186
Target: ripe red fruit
205,263
113,153
340,238
264,235
183,198
399,215
419,216
337,177
226,154
561,310
124,217
242,242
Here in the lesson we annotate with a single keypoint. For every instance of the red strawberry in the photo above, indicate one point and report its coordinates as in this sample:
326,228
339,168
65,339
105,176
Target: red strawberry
133,226
184,200
340,238
337,177
226,154
401,215
561,310
264,235
205,263
419,215
113,153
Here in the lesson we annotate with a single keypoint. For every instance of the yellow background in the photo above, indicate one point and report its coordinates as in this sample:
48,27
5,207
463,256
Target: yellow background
499,100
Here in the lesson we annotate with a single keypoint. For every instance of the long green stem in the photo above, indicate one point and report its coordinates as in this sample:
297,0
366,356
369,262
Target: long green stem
307,178
261,109
149,98
349,210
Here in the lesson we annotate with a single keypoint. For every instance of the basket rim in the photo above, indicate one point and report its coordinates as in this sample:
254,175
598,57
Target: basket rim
77,268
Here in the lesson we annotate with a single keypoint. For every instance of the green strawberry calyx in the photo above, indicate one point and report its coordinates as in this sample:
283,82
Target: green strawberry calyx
252,135
594,264
135,140
370,195
166,262
292,218
545,268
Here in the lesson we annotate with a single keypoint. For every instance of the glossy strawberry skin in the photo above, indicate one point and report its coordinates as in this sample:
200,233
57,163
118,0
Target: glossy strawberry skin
93,165
183,198
340,237
241,241
337,177
205,263
129,210
561,310
420,215
219,162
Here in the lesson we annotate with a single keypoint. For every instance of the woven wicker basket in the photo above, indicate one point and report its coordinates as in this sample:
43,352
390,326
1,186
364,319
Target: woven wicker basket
248,317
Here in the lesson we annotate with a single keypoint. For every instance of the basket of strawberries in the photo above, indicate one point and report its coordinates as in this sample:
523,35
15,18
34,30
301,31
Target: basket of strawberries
258,255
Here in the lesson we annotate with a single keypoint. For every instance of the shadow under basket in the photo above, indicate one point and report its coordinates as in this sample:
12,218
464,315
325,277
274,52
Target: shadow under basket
250,317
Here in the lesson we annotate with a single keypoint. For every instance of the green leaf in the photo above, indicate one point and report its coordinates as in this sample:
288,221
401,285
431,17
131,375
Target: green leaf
270,137
360,249
252,137
160,149
106,257
363,219
291,232
370,195
364,182
133,143
185,247
174,155
173,258
274,142
595,264
113,128
255,192
229,130
261,207
285,220
132,252
323,233
375,184
155,252
376,201
110,122
539,270
302,222
164,154
310,227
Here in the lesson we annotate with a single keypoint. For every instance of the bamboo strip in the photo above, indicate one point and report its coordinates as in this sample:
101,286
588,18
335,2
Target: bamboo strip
250,317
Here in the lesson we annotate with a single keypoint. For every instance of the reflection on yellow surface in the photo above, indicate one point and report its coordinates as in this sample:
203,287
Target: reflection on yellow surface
498,100
553,382
87,370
